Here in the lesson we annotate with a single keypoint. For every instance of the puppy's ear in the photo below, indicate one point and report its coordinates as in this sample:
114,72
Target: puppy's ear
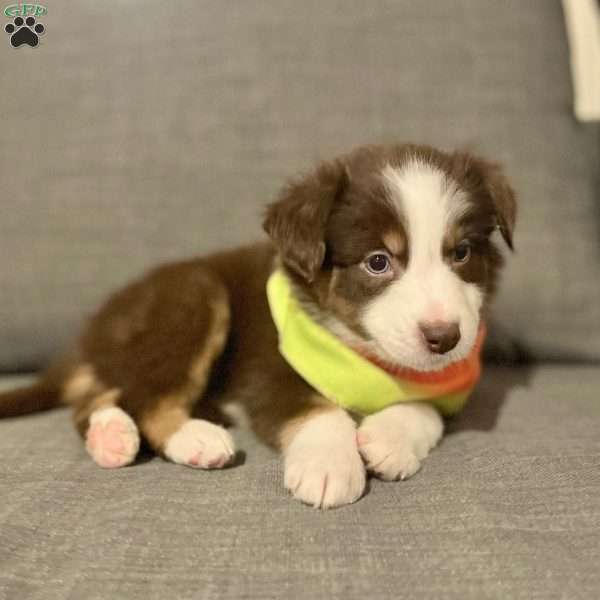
487,178
296,221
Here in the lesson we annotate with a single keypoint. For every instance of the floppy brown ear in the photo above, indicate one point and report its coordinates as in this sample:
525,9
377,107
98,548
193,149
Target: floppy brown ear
489,179
296,221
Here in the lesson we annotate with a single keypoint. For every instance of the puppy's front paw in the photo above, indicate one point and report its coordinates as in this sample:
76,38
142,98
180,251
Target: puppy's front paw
322,465
394,441
325,477
390,459
201,445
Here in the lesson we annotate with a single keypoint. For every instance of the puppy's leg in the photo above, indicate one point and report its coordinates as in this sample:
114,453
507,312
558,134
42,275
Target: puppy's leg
112,438
192,442
147,358
393,442
166,421
322,464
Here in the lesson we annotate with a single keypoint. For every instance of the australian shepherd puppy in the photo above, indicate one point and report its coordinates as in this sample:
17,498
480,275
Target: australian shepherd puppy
389,248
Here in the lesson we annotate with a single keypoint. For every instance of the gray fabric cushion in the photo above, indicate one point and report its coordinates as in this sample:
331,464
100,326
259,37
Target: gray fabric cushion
134,134
507,507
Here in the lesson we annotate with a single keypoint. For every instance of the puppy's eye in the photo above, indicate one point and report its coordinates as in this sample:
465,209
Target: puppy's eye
378,263
462,252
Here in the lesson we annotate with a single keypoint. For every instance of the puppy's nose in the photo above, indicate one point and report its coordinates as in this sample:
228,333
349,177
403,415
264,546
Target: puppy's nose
440,336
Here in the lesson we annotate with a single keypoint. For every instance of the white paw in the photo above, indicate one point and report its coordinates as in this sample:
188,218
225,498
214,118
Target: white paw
322,465
201,445
112,439
394,441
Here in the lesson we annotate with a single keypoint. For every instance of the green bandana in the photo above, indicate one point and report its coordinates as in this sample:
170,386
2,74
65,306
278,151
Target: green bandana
351,381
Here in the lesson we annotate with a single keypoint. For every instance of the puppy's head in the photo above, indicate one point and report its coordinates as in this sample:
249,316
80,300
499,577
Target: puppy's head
394,244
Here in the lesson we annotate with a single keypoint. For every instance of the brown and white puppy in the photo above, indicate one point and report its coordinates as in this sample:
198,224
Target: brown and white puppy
389,247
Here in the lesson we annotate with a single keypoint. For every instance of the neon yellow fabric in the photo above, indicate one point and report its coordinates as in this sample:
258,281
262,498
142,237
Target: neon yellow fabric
346,378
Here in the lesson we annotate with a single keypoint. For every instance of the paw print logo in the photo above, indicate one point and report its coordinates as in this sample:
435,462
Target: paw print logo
24,32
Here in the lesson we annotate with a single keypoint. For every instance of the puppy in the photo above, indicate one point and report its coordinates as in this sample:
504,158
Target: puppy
387,249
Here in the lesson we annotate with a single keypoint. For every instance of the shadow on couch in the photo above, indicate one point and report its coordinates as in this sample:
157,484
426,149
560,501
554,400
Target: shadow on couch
498,381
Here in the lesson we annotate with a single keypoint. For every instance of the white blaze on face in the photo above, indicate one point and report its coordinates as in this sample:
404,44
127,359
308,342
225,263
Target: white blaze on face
428,290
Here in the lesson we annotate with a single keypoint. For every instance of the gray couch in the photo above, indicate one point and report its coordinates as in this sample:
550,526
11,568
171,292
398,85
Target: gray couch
136,133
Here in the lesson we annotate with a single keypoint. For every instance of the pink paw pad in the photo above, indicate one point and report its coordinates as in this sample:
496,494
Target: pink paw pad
361,438
194,461
112,444
199,461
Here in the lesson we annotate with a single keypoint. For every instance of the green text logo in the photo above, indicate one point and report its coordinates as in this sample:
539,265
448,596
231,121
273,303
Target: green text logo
24,10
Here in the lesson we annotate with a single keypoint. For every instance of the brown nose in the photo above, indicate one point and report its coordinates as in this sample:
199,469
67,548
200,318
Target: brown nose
441,337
